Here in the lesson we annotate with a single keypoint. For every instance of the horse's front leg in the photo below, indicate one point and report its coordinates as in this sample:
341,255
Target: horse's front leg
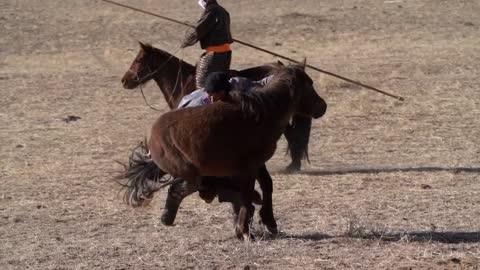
266,212
176,193
298,135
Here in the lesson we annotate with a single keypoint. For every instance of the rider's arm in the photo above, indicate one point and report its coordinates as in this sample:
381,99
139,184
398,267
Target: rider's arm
204,26
196,98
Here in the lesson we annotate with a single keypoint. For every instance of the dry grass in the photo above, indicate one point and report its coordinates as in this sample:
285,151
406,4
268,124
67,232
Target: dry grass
391,185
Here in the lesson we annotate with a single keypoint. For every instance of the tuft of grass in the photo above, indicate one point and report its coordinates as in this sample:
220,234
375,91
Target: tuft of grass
357,228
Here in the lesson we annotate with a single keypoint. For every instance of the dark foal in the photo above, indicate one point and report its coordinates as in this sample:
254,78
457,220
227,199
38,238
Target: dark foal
181,145
175,78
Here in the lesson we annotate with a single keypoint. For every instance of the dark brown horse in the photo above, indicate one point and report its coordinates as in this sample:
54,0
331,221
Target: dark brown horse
175,79
231,138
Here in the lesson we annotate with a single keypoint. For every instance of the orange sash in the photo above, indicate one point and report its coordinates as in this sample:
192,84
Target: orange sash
220,48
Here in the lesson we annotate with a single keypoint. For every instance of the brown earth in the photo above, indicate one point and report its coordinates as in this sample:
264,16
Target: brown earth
390,185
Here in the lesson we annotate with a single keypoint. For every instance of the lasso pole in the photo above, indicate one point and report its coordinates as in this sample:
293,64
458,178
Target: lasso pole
263,50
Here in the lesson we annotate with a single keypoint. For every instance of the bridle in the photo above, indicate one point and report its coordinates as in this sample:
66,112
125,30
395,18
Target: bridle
152,73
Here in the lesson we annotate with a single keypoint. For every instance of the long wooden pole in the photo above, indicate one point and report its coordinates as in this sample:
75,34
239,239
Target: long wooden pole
263,50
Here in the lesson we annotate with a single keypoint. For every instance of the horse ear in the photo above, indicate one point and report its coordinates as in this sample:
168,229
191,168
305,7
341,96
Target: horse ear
143,46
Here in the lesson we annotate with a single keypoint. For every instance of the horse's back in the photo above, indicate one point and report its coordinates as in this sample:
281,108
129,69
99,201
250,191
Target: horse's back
259,72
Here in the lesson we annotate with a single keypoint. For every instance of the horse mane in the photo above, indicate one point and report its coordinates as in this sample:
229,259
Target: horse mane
258,72
257,104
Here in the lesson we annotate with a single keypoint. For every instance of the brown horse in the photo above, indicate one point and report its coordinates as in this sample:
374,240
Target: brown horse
176,78
232,138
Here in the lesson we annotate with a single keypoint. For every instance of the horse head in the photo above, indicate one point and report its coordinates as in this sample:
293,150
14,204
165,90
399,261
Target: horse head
142,69
308,102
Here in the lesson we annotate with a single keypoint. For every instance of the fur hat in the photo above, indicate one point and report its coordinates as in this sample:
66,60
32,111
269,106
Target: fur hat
217,82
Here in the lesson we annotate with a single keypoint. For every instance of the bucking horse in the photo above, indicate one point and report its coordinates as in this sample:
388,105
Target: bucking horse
176,78
226,139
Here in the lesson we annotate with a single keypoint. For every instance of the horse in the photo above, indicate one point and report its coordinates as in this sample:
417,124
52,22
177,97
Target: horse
176,78
229,138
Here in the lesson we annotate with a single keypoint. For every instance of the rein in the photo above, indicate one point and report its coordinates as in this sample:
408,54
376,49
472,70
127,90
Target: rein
141,86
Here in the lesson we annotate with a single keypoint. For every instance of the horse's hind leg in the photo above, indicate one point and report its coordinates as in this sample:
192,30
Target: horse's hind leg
176,193
247,188
228,190
266,212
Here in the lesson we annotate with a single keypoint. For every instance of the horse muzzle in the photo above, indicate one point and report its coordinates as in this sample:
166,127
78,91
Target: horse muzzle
129,84
320,109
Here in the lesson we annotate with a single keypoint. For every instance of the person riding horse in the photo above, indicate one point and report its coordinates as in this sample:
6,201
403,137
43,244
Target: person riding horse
218,86
213,33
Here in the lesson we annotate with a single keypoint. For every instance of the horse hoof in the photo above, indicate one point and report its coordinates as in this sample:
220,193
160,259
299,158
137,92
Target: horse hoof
293,167
272,229
167,219
246,237
239,233
268,220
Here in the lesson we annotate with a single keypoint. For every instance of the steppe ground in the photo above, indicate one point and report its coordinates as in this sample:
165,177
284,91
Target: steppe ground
390,185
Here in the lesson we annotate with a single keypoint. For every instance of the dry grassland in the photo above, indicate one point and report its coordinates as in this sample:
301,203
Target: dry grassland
390,185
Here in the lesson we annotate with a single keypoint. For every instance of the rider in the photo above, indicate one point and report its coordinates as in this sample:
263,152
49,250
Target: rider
217,87
213,33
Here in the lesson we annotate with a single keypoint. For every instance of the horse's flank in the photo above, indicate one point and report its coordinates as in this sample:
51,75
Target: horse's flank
231,129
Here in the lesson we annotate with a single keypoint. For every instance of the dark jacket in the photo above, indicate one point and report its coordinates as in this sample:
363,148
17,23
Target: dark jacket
213,28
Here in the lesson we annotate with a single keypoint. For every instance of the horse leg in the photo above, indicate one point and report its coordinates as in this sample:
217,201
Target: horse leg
298,135
227,191
247,187
176,193
266,212
208,188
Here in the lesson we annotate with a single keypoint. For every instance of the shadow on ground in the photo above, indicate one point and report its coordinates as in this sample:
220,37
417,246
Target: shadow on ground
415,236
387,170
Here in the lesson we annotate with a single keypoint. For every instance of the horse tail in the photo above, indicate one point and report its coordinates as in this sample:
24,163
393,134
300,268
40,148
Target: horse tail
298,136
142,176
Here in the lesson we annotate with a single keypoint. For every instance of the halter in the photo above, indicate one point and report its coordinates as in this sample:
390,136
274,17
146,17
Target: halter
150,75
